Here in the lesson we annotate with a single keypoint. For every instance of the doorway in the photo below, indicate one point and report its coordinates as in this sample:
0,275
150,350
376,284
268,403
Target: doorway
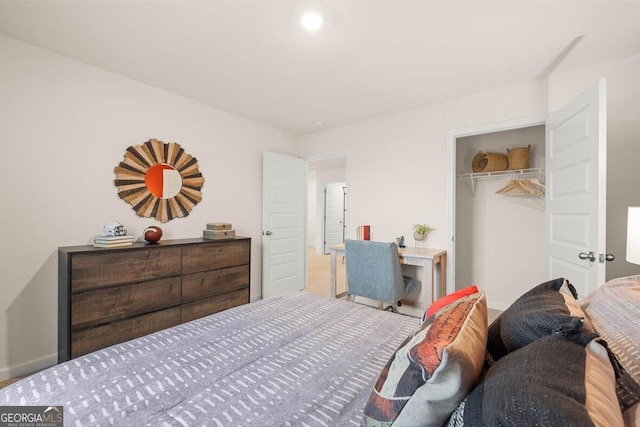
500,220
327,216
472,205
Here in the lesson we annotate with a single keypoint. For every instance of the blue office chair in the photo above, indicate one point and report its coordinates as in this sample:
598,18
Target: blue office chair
373,271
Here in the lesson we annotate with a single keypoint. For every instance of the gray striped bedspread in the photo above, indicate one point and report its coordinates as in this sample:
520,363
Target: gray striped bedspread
293,360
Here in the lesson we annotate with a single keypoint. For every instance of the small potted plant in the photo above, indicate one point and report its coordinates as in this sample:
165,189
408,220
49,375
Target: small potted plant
420,231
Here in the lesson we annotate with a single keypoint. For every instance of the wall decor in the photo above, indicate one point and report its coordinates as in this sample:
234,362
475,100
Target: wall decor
159,180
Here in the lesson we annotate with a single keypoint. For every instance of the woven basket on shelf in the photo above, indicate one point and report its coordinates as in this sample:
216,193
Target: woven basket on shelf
519,158
489,162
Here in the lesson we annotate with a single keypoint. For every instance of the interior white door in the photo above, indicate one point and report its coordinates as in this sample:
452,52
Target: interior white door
333,214
576,190
283,219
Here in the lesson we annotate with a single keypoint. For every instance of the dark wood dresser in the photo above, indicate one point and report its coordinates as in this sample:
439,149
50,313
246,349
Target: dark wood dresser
108,296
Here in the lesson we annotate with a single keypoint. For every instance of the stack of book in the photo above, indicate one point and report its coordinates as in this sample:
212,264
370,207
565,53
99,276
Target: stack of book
218,231
364,232
112,241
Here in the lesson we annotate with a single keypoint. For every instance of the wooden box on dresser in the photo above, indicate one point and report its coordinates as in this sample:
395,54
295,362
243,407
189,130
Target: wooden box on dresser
108,296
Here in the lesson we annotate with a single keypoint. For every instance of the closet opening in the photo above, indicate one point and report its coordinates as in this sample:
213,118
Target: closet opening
498,213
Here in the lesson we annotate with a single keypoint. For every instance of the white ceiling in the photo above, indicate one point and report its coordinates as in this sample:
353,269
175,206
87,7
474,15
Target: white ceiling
372,58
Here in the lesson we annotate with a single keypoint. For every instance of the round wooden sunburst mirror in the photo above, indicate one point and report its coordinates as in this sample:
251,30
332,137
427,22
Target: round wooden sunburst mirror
160,180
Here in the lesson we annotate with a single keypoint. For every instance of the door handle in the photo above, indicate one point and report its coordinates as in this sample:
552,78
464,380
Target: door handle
591,256
268,233
606,257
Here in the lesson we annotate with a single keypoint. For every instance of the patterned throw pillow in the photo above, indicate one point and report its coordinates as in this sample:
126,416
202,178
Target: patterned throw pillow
448,299
564,379
548,308
433,369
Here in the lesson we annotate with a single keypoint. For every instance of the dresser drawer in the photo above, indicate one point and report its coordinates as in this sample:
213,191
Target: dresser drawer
205,307
91,339
215,255
97,269
106,305
208,283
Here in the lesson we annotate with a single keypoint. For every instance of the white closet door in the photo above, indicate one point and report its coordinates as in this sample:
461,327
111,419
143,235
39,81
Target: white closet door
576,190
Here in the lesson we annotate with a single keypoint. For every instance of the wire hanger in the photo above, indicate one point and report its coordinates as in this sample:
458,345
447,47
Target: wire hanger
527,187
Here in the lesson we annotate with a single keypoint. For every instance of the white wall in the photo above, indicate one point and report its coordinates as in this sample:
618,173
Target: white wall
64,126
499,244
398,169
397,163
398,166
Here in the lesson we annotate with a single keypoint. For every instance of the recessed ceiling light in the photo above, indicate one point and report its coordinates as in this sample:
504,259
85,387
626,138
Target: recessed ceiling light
312,21
319,123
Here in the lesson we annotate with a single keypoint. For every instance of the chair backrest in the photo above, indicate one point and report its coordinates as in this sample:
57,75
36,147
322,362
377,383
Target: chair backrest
373,270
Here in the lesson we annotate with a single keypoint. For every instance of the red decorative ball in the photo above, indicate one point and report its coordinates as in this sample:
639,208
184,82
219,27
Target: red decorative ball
152,234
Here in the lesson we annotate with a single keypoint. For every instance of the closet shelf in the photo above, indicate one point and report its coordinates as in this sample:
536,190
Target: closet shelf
511,174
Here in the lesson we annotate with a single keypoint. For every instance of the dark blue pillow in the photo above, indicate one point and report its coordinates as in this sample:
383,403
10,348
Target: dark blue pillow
548,308
564,379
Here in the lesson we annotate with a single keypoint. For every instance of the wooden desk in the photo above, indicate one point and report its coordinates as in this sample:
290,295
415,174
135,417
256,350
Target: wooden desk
426,258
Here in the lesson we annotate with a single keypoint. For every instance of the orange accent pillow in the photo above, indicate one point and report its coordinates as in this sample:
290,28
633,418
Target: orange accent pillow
448,299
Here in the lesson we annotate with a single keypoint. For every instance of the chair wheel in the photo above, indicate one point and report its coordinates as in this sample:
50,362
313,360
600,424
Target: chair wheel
391,309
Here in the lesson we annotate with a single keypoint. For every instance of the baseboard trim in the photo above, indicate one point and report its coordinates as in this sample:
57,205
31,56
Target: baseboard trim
29,367
255,298
411,303
497,306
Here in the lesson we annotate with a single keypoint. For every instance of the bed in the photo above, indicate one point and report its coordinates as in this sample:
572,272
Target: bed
298,359
305,360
